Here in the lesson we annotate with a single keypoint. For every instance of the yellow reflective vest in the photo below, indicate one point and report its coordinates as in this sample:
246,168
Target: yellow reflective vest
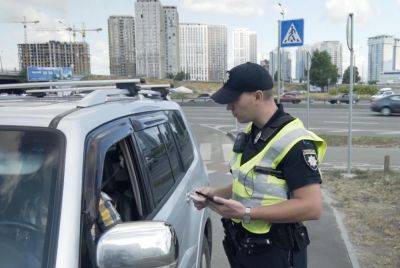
254,189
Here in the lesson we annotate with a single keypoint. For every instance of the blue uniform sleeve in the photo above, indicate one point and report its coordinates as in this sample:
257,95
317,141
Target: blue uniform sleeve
300,166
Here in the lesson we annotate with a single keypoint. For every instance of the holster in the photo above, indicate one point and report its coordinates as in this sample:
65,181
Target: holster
229,243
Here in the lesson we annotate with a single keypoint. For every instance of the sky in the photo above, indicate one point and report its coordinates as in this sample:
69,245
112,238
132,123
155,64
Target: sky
324,20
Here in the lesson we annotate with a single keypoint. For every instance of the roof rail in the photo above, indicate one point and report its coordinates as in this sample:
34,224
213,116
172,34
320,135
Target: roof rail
99,97
100,90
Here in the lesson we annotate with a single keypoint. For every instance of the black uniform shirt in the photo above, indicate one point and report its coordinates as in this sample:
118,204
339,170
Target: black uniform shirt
296,171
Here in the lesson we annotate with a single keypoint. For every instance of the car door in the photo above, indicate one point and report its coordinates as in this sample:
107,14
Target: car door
167,164
109,169
395,103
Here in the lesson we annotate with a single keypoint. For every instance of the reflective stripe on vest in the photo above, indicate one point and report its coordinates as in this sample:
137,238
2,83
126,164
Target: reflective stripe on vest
254,189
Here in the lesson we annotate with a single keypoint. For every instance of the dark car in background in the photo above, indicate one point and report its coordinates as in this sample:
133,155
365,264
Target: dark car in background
290,97
387,105
204,97
344,98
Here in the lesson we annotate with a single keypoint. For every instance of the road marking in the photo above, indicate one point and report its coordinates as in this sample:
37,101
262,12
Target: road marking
205,151
354,122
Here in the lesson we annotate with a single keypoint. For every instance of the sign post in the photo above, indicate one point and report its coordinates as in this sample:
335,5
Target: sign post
349,35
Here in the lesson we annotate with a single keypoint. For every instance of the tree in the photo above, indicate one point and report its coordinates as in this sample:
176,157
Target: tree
346,75
322,72
23,75
180,76
170,75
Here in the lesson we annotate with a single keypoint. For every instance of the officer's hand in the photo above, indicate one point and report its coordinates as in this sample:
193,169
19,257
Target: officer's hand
199,201
229,209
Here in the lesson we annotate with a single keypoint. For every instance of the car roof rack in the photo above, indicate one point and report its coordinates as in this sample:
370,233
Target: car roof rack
99,91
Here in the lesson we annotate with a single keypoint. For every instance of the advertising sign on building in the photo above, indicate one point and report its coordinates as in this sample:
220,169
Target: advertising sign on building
49,73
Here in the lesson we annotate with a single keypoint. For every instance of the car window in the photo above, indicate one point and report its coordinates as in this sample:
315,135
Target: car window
156,161
182,138
30,170
176,164
395,98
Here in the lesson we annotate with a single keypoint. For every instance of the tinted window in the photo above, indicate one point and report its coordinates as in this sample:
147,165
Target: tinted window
172,150
156,161
182,138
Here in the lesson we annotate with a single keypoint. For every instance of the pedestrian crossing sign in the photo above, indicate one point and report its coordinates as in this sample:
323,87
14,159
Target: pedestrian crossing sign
292,33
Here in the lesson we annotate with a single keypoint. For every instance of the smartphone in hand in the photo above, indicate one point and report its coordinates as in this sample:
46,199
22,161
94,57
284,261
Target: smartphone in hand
208,198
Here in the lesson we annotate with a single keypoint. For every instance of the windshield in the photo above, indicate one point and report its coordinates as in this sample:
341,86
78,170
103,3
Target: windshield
30,167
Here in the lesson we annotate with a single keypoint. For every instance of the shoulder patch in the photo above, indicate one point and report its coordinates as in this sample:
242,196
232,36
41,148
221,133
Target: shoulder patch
310,156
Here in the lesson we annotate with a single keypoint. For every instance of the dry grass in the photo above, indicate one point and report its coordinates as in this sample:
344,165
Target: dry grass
362,141
371,204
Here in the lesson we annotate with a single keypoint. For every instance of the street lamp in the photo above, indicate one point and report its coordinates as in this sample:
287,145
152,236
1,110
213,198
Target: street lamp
280,80
309,58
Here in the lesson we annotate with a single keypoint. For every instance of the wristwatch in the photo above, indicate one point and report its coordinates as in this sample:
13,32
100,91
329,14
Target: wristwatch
246,217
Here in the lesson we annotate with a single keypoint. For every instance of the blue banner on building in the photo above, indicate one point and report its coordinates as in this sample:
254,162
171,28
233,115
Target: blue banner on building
49,73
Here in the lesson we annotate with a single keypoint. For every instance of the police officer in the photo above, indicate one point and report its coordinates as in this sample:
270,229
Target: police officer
276,180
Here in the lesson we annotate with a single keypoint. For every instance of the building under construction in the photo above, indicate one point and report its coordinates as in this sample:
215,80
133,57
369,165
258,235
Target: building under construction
56,54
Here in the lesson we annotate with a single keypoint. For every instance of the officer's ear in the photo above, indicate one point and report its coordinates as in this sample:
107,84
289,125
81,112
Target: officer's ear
259,95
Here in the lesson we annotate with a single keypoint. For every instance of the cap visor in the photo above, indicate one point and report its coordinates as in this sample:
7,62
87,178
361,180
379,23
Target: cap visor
225,95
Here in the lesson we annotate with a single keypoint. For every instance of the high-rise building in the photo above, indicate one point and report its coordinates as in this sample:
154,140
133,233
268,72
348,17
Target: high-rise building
301,63
265,64
56,54
334,49
253,47
121,39
286,68
150,39
383,55
193,46
217,52
171,22
396,55
244,46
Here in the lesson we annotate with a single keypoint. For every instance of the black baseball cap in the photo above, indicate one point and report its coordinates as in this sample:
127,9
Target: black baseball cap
246,77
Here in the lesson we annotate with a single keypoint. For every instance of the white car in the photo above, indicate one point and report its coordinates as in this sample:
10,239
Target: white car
58,154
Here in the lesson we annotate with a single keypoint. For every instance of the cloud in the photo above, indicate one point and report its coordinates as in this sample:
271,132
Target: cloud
338,10
99,58
236,7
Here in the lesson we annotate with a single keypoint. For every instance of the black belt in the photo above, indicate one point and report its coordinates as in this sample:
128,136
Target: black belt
282,235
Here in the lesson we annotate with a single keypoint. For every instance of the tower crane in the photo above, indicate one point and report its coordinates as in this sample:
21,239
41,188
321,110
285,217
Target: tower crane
25,23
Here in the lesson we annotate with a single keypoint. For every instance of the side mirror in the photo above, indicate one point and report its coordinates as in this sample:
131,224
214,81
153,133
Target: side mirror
138,244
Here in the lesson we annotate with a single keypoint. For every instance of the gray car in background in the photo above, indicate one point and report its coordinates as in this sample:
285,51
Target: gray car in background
387,105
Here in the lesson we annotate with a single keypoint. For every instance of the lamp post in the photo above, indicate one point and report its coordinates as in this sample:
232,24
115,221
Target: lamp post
308,87
280,80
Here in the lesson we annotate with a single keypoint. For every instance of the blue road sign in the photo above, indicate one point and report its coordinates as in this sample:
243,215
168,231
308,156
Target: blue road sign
49,73
292,33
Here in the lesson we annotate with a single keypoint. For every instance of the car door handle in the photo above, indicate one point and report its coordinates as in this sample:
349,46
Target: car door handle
188,198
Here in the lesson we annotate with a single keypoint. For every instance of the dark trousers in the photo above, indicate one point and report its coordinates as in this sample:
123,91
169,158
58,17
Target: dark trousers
273,257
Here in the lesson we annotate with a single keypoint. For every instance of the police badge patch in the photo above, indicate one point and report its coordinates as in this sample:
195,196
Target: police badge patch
310,156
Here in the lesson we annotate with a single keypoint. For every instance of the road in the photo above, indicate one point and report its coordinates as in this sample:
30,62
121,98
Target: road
328,120
210,125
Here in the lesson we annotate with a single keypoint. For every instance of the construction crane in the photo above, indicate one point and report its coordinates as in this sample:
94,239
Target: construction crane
82,30
25,23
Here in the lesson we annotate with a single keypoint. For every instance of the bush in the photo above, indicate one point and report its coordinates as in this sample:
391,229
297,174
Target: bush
359,89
